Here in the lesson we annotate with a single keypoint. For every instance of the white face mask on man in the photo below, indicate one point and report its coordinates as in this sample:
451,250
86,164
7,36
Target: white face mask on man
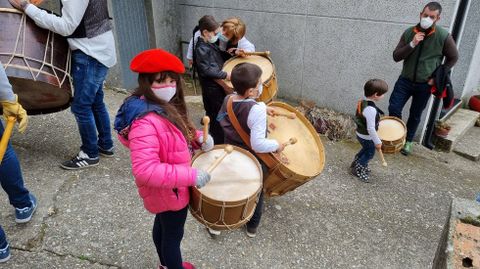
426,23
165,92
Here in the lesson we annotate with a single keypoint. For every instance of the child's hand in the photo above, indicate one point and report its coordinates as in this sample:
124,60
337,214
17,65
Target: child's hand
202,178
240,52
281,147
228,76
270,111
208,145
378,146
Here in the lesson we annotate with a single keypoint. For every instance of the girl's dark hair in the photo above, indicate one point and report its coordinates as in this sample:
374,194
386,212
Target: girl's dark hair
375,86
208,23
175,110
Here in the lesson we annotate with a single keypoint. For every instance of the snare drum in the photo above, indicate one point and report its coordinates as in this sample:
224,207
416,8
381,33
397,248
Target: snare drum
297,163
392,131
269,77
228,201
37,62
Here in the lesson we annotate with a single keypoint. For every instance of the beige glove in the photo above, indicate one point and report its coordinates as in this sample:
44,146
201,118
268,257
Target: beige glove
14,109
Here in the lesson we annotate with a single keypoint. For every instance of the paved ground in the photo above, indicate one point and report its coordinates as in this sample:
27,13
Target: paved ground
95,219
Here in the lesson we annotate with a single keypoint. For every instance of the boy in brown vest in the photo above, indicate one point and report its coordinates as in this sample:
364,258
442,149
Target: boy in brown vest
252,116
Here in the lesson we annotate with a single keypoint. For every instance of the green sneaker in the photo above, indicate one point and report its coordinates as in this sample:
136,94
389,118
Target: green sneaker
407,149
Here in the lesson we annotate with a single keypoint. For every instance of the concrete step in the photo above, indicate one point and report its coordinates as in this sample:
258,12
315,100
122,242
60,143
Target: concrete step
461,121
469,145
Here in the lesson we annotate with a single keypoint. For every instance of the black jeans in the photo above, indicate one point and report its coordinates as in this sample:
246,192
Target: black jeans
257,215
403,90
167,235
213,96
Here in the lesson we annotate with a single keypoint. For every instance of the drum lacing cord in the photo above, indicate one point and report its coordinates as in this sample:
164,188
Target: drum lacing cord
50,39
221,219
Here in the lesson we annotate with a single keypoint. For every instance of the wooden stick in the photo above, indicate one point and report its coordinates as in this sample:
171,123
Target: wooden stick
290,141
289,115
205,121
380,153
259,53
228,150
6,136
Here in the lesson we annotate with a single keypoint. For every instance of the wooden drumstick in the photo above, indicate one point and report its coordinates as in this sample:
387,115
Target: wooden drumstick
290,141
6,136
380,153
259,53
228,150
289,115
205,121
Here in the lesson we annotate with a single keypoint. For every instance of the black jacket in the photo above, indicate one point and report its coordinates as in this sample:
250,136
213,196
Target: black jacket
209,63
442,87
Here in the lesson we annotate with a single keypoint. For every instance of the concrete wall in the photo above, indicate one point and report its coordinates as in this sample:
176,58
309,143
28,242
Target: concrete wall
323,50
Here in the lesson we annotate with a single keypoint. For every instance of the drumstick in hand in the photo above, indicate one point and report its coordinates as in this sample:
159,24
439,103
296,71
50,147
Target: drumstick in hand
228,150
289,115
6,136
380,153
260,53
290,141
205,121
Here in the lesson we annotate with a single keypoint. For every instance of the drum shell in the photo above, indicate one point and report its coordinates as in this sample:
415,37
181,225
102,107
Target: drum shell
394,146
281,179
37,62
208,211
270,86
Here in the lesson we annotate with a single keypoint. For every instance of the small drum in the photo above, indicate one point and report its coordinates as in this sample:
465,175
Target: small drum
392,131
36,60
269,76
228,201
297,163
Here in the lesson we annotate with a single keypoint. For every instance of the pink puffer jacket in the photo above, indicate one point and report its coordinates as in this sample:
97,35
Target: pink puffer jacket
160,163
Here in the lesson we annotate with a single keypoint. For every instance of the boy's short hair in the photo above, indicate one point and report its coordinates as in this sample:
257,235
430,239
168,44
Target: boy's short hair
245,76
375,86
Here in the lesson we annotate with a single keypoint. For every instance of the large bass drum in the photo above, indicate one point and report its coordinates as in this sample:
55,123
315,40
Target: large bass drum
37,62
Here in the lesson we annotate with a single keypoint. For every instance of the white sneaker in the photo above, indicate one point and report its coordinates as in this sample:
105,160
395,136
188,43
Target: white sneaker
213,232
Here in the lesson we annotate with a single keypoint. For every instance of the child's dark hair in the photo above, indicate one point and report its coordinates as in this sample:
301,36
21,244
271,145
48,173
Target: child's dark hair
375,86
245,76
175,110
208,23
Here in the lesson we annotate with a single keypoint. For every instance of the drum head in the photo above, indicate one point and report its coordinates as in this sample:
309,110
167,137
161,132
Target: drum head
264,63
236,178
307,156
391,129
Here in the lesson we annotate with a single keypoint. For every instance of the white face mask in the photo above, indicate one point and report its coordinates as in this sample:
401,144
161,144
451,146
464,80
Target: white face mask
213,39
165,92
260,90
426,23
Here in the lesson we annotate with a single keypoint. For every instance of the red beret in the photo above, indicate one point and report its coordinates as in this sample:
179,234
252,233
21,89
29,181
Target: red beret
155,61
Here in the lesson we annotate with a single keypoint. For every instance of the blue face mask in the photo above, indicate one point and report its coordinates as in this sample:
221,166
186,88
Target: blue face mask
222,37
213,39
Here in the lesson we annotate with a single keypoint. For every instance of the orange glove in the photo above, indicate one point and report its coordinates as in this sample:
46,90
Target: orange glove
14,109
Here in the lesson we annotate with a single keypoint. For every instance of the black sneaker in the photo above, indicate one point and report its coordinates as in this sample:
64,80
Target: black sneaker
82,160
251,232
106,153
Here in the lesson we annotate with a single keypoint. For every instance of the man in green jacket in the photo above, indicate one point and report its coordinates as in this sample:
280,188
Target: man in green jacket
422,48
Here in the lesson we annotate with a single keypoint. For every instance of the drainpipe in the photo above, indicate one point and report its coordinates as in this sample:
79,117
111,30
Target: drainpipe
434,112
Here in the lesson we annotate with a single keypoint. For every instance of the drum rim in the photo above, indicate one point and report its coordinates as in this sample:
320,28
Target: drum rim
401,122
238,57
195,190
315,137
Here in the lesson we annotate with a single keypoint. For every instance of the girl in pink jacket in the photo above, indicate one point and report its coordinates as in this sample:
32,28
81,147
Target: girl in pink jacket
153,123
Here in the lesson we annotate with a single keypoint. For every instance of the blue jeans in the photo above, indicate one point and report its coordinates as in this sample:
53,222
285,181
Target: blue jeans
403,90
366,153
12,182
167,235
88,106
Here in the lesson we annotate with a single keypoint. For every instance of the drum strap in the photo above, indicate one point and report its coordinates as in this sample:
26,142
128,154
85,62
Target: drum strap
267,158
